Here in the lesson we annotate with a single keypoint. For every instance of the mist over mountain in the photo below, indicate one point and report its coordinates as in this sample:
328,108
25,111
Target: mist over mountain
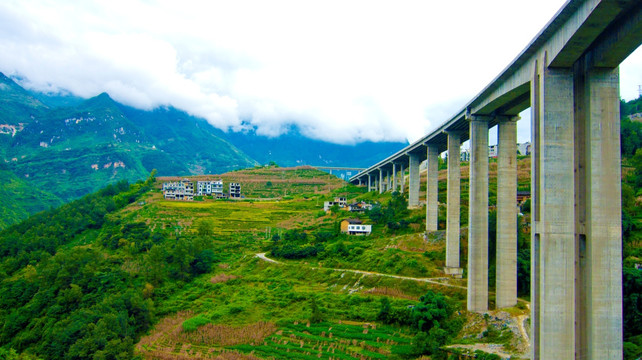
61,147
292,148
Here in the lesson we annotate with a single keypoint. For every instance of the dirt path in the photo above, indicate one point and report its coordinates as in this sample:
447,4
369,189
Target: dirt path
520,324
263,257
426,280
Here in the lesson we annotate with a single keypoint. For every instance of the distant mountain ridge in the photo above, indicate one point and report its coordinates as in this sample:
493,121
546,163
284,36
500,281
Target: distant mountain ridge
17,104
292,149
66,147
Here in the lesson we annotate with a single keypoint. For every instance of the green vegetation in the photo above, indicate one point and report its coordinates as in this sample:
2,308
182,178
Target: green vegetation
631,142
92,277
19,199
63,299
123,273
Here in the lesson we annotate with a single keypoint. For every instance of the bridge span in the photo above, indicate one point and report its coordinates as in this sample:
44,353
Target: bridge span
568,75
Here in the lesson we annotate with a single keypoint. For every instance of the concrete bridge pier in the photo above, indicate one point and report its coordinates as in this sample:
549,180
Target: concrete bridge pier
380,181
394,177
506,275
432,172
453,205
402,179
478,216
599,213
413,181
553,234
369,183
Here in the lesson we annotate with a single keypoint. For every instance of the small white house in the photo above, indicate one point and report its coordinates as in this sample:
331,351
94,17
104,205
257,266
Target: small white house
359,229
355,227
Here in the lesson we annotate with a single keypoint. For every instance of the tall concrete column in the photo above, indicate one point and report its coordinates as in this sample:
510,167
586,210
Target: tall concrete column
369,183
598,214
380,181
403,178
552,211
432,171
413,180
478,216
394,177
454,190
506,275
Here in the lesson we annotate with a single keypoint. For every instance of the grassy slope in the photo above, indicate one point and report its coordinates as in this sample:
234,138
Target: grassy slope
241,294
244,290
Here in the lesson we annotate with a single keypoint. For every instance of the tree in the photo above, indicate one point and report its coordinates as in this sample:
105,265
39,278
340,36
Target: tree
204,228
334,209
315,316
431,310
156,260
203,262
384,312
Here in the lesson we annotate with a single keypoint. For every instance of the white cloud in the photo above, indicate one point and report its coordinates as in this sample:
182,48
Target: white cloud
341,71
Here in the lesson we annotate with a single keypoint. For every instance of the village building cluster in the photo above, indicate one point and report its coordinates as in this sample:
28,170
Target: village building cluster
351,226
184,190
342,203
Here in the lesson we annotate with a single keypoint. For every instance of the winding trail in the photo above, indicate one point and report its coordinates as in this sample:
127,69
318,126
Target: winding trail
426,280
490,348
520,324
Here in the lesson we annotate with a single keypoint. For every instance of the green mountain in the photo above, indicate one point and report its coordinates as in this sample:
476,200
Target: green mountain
18,105
187,145
58,154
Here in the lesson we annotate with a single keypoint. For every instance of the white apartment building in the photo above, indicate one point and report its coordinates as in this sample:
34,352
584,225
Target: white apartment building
214,187
179,190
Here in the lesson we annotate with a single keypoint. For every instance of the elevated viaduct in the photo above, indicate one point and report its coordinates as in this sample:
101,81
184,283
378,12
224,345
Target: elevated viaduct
568,75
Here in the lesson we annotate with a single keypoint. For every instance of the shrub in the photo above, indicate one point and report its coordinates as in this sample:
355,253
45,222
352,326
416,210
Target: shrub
194,323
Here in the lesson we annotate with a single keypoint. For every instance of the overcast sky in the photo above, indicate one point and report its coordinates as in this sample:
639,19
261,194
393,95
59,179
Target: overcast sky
343,71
